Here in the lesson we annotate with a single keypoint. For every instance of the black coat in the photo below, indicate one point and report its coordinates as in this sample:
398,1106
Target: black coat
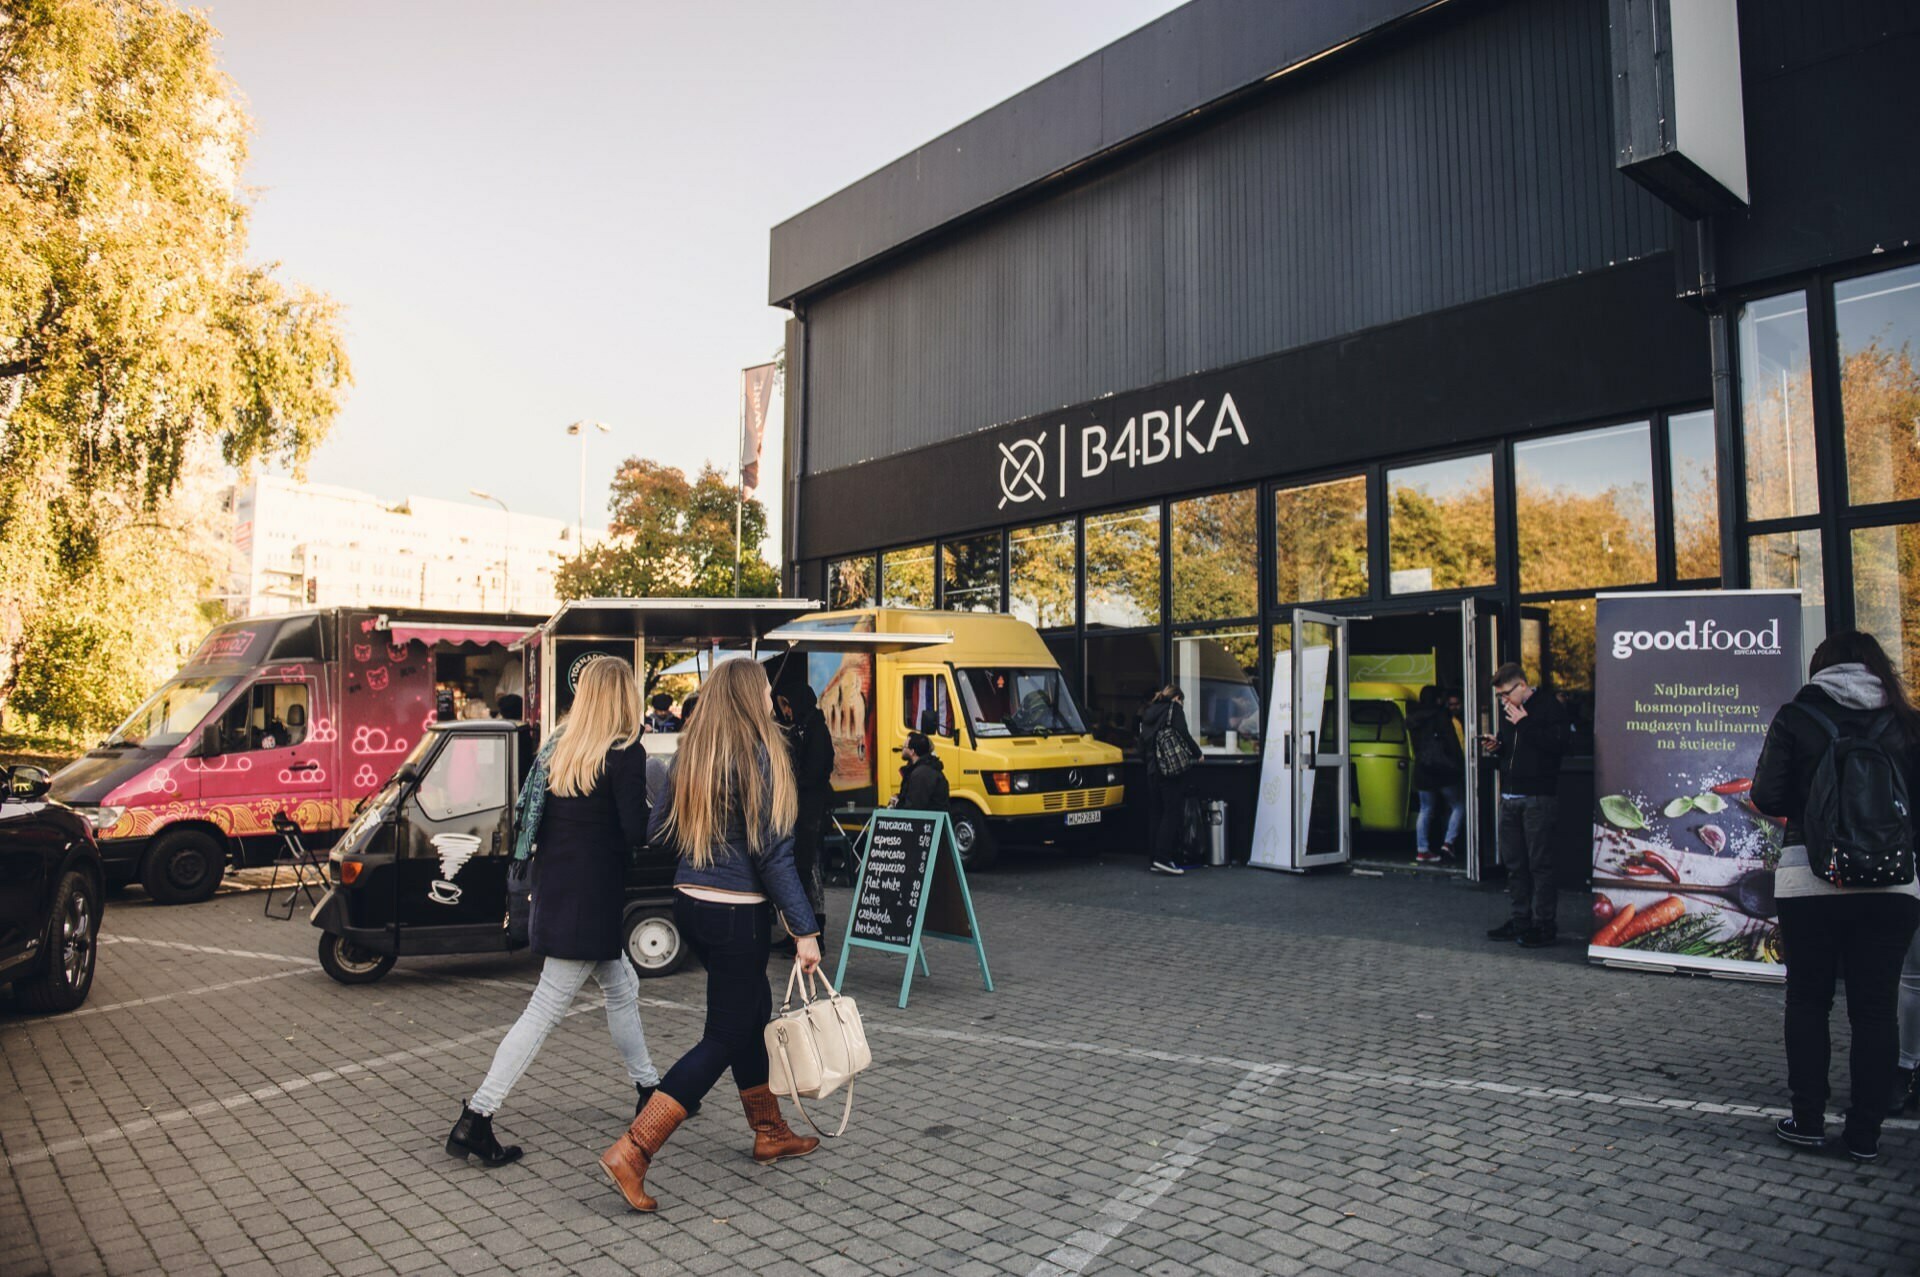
1528,753
810,747
923,785
1795,745
1438,759
580,865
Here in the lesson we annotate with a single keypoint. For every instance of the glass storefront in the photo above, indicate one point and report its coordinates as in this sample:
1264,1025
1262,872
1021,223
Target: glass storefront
1876,322
1216,556
1123,568
1041,571
1440,526
1219,671
1123,673
850,582
1776,408
1320,541
1793,561
1886,591
1584,507
1694,490
970,574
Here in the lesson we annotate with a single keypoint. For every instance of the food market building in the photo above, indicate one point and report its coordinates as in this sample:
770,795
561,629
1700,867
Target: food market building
1444,315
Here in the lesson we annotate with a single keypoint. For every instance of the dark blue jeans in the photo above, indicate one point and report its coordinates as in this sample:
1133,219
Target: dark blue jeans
1526,849
1861,939
733,941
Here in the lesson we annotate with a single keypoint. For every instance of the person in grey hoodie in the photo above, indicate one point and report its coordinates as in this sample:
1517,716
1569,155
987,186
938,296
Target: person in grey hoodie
1863,932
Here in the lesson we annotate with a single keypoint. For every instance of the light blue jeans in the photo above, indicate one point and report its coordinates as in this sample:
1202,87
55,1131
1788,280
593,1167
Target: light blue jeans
1456,797
560,980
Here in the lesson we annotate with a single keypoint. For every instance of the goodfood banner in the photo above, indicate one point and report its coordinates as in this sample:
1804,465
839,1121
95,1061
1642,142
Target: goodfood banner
1685,685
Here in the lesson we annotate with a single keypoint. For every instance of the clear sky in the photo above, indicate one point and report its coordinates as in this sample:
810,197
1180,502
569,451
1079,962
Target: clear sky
539,213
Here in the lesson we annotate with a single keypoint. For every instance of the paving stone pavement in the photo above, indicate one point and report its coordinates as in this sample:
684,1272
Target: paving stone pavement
1233,1072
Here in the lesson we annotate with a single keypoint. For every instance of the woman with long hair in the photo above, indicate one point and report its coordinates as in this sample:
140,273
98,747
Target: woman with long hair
1166,793
1828,931
730,817
593,779
1439,776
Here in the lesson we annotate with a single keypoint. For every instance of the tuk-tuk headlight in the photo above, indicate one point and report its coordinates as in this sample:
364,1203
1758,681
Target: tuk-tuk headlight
350,870
1022,782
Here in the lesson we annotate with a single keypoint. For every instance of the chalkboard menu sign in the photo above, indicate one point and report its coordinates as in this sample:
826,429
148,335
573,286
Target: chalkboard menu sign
911,886
899,848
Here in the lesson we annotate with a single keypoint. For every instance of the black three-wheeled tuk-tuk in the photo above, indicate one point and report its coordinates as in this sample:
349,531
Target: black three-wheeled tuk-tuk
422,867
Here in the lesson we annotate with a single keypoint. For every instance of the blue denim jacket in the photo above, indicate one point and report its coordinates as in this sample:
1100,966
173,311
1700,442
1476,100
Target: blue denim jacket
736,867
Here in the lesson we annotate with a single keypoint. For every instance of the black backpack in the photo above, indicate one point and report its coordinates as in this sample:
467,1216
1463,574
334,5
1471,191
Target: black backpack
1857,823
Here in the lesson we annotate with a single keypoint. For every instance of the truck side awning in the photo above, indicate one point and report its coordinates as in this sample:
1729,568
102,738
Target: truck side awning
676,623
430,634
799,639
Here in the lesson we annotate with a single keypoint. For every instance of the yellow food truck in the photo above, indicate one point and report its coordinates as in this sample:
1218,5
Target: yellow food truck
1018,758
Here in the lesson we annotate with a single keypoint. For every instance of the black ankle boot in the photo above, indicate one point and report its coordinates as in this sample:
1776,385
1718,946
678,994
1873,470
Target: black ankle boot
473,1135
645,1093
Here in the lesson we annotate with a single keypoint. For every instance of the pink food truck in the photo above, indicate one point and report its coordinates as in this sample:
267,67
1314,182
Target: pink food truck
304,713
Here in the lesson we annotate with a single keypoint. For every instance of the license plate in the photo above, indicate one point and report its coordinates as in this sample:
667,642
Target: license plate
1083,818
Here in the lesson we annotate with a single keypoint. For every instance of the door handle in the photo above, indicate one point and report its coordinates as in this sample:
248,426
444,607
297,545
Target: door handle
304,767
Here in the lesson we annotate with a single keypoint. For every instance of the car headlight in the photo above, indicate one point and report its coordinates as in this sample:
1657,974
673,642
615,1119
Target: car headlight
1022,782
102,818
1113,775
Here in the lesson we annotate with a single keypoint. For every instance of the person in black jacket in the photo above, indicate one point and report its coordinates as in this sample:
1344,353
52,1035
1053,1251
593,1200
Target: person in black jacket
1439,774
595,817
923,781
1166,794
1862,933
1533,736
810,748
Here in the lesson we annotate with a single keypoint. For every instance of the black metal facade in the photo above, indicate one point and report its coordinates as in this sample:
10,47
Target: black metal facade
1464,155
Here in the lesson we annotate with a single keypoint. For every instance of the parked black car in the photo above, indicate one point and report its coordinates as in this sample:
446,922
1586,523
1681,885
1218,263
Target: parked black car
50,893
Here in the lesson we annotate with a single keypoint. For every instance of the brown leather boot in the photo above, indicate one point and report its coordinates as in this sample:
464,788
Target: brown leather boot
772,1140
627,1161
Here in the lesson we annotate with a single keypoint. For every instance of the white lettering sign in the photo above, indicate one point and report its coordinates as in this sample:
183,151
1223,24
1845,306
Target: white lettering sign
1148,439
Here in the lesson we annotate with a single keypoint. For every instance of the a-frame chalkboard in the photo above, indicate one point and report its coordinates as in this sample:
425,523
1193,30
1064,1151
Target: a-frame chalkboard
911,886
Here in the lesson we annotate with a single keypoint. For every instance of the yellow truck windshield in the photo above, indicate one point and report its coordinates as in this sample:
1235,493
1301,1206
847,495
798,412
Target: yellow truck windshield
1018,702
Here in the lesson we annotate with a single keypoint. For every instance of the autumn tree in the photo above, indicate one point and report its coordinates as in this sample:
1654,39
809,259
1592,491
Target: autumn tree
135,338
671,538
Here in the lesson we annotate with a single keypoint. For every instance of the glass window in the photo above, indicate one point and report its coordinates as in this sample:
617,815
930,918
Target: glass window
1123,673
470,775
850,583
297,640
171,714
1876,321
1019,702
1040,570
970,574
1219,670
1375,722
1694,467
266,716
1440,525
1123,568
1320,541
1584,503
921,695
1886,591
906,577
1793,561
1216,556
1776,408
1569,672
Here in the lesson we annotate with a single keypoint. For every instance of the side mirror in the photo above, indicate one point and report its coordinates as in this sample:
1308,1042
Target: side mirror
28,784
406,774
930,722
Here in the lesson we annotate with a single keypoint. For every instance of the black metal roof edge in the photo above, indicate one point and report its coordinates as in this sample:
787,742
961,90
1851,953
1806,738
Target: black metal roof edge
1196,57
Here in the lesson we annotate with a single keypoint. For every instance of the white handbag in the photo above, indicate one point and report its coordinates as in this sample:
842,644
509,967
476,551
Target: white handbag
817,1047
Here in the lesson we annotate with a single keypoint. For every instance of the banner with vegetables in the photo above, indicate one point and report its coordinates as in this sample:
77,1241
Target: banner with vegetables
1684,687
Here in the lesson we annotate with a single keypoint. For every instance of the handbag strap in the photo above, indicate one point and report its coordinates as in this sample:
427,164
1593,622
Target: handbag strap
846,1114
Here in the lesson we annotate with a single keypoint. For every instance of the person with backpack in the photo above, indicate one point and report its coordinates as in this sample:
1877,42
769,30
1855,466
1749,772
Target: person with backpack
1170,752
1439,774
1840,763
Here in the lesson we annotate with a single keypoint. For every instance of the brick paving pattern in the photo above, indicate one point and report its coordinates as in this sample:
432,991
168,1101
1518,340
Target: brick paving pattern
1234,1072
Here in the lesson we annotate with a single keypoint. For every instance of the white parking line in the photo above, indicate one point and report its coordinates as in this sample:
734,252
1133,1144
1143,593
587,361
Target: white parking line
184,947
1073,1255
180,993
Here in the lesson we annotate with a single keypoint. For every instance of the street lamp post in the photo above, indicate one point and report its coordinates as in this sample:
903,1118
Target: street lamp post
506,552
581,428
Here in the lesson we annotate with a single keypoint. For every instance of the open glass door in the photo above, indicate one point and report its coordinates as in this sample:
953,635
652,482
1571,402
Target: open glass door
1480,641
1317,746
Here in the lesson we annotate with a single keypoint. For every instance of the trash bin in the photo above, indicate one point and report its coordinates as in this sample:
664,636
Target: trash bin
1217,831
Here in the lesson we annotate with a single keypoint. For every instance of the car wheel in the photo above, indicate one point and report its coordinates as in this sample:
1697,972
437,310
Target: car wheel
349,963
973,839
654,944
71,948
184,867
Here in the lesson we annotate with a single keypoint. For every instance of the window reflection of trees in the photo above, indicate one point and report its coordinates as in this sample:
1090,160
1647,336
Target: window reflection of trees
1776,408
1320,541
850,582
1123,568
1886,590
1041,574
1216,556
1584,505
1876,319
1695,487
1440,525
971,574
906,577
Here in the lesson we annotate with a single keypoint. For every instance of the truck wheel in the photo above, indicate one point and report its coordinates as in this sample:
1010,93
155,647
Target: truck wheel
348,963
654,944
184,867
973,839
67,972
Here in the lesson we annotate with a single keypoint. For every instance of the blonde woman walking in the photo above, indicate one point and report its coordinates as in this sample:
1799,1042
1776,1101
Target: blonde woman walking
593,779
730,816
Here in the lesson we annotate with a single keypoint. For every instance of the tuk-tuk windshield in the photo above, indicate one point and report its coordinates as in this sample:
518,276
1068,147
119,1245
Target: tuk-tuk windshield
1018,702
171,714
